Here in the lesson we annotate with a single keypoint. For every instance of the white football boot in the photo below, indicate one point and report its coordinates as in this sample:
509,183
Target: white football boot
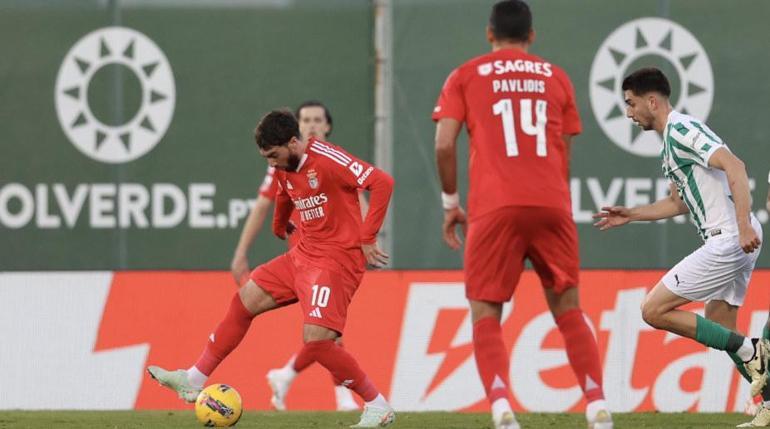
176,381
761,419
507,420
280,380
376,417
757,366
598,415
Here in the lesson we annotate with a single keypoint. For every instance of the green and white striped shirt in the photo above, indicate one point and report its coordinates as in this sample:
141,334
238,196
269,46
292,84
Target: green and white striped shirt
687,146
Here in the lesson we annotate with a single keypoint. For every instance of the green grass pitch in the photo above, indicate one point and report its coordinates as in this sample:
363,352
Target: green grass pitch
321,420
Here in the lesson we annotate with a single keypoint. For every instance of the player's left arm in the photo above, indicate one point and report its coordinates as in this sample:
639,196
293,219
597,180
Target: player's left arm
447,130
738,180
358,174
364,203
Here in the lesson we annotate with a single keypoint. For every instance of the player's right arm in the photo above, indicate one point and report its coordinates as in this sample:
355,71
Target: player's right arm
447,130
449,115
611,217
239,266
283,207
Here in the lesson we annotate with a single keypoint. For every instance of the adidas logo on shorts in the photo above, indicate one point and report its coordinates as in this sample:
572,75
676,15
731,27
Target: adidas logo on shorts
316,313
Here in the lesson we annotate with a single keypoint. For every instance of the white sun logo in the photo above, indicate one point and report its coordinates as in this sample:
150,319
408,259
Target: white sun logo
139,134
627,44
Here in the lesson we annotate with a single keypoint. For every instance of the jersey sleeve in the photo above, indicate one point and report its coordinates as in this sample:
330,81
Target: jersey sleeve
451,103
354,173
692,141
571,117
282,213
269,186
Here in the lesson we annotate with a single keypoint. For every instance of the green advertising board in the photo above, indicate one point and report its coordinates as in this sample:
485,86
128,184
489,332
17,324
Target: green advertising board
718,74
126,126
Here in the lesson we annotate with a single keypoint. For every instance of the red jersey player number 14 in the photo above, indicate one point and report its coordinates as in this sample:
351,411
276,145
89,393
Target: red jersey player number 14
517,107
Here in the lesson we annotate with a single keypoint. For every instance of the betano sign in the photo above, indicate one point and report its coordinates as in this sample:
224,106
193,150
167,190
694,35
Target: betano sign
410,331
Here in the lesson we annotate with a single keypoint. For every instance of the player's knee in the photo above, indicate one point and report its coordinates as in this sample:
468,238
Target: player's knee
255,299
312,333
560,303
483,309
652,315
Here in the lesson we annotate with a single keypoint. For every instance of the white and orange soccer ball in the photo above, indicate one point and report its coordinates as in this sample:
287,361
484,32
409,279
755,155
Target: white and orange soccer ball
218,405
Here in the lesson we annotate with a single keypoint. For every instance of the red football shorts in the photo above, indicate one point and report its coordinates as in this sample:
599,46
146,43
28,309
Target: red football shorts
499,242
324,294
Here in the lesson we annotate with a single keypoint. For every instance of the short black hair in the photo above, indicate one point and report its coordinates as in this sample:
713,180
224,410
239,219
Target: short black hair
276,129
316,103
645,80
511,20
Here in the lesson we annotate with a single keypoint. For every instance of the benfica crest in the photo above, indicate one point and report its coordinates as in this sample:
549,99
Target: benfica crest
312,179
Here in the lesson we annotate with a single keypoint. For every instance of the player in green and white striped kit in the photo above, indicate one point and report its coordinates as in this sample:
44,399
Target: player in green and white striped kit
711,184
762,416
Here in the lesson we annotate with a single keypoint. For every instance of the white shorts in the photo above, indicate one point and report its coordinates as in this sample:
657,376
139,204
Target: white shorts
718,270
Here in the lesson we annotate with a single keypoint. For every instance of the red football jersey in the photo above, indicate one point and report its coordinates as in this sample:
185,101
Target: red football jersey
516,107
324,191
269,189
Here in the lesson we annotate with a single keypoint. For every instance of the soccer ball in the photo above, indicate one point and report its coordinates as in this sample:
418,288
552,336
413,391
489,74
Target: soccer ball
218,405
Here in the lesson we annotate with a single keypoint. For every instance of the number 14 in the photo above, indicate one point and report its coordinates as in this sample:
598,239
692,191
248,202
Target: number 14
504,108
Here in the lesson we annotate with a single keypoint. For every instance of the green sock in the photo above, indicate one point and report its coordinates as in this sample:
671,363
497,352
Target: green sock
716,336
739,365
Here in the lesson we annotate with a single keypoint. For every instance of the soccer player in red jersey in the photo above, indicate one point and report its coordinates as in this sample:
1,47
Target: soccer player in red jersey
315,121
322,272
520,113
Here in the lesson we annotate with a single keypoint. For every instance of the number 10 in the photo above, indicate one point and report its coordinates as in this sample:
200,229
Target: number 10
504,108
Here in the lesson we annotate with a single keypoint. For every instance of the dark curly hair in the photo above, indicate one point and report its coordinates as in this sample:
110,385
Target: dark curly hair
276,129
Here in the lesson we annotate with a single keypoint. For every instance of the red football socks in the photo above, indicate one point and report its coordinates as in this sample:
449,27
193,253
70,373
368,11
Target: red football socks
342,366
226,337
303,360
491,358
582,352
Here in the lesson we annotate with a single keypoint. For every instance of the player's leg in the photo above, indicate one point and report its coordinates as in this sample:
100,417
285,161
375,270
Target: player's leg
661,311
342,395
554,255
492,360
717,271
324,296
726,315
321,347
582,353
280,380
762,416
723,313
494,259
250,301
267,289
